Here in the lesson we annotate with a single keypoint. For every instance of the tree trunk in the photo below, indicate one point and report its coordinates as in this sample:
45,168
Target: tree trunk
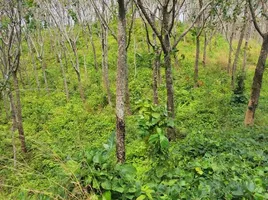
77,71
34,65
5,102
18,113
120,84
168,73
204,61
246,49
13,127
105,70
93,47
196,68
156,66
237,54
64,78
231,48
44,73
127,93
257,83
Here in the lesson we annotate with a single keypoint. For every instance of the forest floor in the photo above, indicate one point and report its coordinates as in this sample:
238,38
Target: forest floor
71,145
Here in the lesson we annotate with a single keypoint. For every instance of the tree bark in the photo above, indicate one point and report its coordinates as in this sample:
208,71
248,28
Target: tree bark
257,83
18,113
120,83
231,48
5,102
237,54
197,55
168,72
105,70
204,61
246,49
156,66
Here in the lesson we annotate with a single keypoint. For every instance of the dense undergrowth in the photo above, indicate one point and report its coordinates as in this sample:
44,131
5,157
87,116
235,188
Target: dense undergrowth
71,145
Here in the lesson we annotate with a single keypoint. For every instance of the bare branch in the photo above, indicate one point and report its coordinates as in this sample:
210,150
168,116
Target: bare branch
254,19
191,26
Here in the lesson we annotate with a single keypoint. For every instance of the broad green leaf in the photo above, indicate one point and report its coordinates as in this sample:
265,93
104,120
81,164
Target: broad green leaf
156,115
107,185
107,195
96,184
163,141
141,197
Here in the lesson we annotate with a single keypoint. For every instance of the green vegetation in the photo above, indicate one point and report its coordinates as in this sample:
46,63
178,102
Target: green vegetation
72,145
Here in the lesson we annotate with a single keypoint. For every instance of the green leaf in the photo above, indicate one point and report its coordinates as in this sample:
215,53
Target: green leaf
163,141
170,123
153,138
118,188
199,170
156,115
251,186
142,197
107,195
96,184
107,185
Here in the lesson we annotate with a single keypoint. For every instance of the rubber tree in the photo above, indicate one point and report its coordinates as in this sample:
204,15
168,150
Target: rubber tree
169,10
103,17
63,16
258,75
120,83
238,49
10,53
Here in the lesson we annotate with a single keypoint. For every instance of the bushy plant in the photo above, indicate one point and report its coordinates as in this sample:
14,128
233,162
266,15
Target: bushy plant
152,123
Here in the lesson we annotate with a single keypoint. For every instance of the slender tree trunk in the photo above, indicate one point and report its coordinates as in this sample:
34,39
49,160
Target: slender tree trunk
64,78
77,71
156,66
44,73
5,102
18,113
237,54
105,70
93,47
135,53
204,61
246,49
127,93
120,84
257,83
196,68
85,68
13,127
34,65
231,48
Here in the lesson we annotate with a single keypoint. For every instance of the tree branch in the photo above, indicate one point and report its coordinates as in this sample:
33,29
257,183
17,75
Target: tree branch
254,19
191,26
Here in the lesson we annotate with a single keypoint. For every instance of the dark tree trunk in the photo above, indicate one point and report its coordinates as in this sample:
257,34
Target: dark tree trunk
18,113
237,54
204,61
257,83
120,84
